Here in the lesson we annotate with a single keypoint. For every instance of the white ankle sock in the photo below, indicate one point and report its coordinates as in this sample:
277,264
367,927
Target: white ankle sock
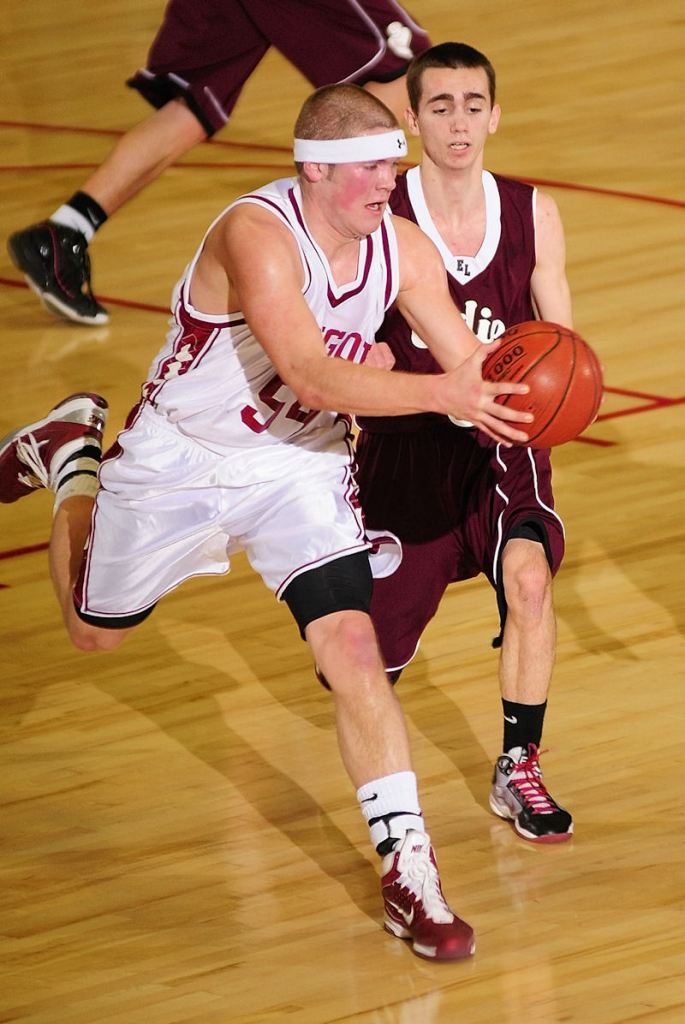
83,484
390,806
71,218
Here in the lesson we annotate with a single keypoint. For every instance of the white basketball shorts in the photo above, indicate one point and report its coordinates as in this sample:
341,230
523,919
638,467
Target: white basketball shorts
169,509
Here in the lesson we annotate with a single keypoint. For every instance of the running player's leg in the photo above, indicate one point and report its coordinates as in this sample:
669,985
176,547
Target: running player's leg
533,545
70,531
529,638
521,566
143,153
330,605
526,662
371,729
199,61
307,541
61,452
327,603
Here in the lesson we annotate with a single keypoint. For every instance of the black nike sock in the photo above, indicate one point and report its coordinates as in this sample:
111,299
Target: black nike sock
88,208
522,724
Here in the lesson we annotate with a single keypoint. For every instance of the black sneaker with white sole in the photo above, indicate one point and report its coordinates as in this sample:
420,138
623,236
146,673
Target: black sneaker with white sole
55,262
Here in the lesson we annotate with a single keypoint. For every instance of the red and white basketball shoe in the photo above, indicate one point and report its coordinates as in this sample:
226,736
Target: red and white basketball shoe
415,907
519,794
50,451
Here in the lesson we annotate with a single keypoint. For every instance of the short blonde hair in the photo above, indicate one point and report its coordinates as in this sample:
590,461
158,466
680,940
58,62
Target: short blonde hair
341,112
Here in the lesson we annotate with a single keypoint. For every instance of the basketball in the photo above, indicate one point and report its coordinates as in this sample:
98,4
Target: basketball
563,373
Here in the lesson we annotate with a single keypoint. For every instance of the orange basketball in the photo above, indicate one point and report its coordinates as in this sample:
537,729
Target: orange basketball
563,373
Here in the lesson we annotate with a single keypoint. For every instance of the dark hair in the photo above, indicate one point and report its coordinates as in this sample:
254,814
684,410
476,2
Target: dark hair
446,55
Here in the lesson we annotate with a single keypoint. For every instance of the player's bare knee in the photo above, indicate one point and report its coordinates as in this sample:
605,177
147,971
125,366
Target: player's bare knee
528,585
347,635
346,652
356,643
91,639
90,632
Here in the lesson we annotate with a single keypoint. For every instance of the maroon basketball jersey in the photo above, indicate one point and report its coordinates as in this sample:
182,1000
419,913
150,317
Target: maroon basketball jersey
492,288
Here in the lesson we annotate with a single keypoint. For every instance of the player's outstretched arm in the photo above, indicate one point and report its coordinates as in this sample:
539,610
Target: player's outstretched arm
254,257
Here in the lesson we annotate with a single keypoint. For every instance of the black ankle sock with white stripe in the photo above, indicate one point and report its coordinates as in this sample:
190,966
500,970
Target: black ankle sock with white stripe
522,724
88,208
82,213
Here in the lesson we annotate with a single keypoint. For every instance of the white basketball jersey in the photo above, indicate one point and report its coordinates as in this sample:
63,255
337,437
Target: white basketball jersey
215,381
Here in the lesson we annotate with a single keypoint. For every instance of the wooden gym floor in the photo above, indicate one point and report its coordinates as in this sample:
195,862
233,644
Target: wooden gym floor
179,840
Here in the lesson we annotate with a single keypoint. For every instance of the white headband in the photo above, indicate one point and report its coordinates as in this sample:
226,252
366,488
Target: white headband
383,146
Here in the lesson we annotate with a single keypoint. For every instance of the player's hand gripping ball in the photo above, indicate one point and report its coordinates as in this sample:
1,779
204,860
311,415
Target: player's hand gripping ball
563,373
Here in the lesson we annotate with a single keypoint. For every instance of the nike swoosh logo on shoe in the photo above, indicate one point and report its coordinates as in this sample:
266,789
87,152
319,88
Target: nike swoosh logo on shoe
513,719
408,916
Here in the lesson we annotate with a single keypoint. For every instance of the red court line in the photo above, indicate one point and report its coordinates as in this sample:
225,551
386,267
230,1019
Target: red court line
208,165
116,132
650,401
632,410
12,283
271,148
637,394
596,190
596,441
16,552
27,168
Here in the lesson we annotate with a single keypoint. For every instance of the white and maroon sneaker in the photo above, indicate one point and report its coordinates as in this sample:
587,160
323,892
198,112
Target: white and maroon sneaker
50,451
519,794
415,907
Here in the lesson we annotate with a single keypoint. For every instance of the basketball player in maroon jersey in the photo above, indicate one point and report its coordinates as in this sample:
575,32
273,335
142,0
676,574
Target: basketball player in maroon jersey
201,57
461,503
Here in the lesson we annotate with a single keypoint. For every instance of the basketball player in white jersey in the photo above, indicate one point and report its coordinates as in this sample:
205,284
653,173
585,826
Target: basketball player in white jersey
236,443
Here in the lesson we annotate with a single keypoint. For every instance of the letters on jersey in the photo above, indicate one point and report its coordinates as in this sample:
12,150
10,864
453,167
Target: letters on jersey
216,382
492,288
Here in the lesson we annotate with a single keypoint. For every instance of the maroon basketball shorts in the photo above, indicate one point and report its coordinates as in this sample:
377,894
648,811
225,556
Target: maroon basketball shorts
453,497
205,50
